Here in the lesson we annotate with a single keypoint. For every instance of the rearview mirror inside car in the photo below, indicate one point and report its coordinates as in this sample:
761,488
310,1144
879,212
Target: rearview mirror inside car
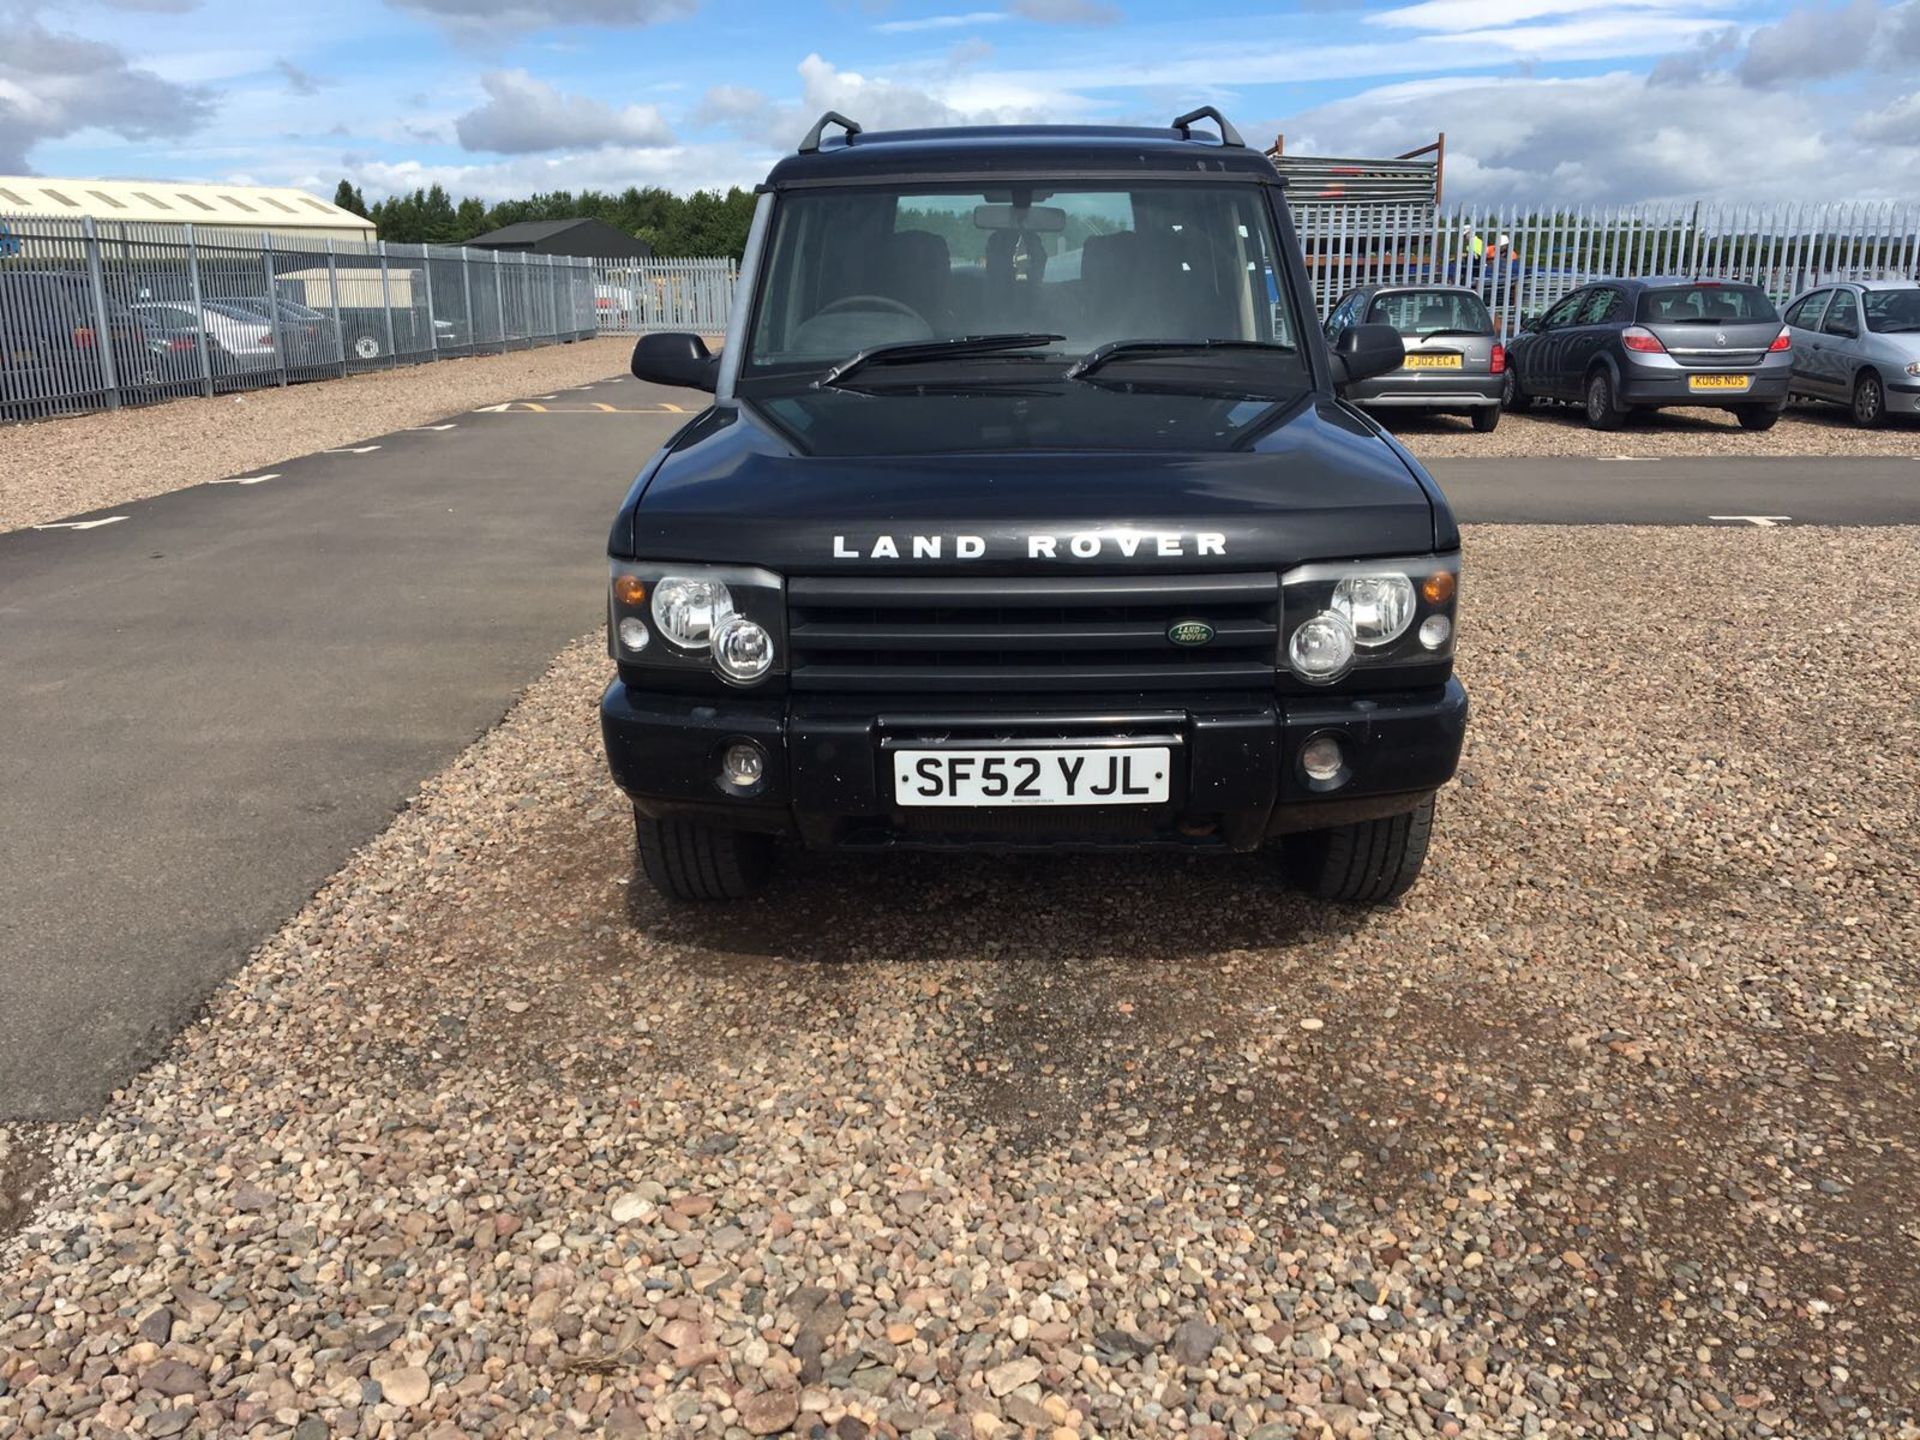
1020,217
1364,351
674,357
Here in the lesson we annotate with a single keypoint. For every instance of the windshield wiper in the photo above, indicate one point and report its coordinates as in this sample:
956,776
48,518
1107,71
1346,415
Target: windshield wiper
1127,349
908,352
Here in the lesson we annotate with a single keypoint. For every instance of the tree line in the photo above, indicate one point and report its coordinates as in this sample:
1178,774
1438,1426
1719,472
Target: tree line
703,223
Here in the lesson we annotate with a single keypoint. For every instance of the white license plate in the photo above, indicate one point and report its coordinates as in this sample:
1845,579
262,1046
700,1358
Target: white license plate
1105,775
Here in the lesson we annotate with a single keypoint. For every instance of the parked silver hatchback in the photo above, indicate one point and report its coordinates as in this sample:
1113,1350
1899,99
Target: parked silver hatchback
1858,343
1455,363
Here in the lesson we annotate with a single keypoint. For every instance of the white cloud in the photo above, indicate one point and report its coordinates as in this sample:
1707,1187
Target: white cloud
482,18
523,115
1894,124
1065,12
1457,15
52,85
1811,43
941,22
1528,141
681,168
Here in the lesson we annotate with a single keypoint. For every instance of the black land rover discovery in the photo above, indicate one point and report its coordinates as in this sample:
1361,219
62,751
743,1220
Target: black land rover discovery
1028,514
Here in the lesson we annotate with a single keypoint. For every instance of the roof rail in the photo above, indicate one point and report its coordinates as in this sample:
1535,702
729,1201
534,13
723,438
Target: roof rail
832,117
1228,135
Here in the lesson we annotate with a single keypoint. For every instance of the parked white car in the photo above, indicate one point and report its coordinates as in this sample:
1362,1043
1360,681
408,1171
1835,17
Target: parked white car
1857,343
237,338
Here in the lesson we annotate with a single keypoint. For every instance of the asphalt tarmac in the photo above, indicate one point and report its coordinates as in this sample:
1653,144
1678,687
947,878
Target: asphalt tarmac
212,697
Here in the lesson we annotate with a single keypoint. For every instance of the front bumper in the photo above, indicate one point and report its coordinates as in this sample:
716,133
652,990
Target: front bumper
828,782
1903,395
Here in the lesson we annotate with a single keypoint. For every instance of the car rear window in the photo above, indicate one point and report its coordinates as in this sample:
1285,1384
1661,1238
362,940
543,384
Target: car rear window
1428,312
1706,305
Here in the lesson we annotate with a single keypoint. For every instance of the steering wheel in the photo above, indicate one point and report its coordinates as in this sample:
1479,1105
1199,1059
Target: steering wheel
869,302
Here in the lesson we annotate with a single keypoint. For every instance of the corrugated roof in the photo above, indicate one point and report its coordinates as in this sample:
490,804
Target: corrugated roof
248,207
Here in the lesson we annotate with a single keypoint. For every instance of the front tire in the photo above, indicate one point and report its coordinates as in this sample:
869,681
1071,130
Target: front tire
696,863
1869,402
1603,410
1486,418
1756,417
1369,862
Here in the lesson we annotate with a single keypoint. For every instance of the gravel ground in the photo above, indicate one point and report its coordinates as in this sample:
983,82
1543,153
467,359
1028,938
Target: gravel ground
1609,1129
56,468
1561,430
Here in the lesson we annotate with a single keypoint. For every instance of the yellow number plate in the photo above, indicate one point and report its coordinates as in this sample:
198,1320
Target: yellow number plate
1718,382
1418,361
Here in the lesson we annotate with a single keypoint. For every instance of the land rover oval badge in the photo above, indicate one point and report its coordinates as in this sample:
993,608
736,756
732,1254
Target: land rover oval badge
1190,632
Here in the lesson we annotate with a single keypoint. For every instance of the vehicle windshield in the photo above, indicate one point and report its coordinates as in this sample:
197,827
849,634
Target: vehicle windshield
1891,312
851,270
1707,305
1431,312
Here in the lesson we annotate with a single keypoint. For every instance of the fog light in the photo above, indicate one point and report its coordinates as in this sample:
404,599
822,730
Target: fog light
1321,650
1435,631
633,635
743,765
1322,758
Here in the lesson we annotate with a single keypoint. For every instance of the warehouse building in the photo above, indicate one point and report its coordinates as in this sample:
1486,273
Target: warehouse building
280,210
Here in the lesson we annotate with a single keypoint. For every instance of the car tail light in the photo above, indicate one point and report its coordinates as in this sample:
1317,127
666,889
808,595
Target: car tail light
1635,337
267,339
1499,366
181,342
1782,341
83,336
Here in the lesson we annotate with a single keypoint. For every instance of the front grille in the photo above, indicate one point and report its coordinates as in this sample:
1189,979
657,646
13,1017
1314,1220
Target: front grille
1043,633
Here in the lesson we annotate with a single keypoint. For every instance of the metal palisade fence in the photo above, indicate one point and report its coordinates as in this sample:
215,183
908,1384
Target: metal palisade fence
95,315
635,296
1523,258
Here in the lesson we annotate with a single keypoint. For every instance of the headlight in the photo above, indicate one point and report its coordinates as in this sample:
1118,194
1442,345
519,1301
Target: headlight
1362,620
703,621
742,649
1378,607
1913,367
1321,649
686,610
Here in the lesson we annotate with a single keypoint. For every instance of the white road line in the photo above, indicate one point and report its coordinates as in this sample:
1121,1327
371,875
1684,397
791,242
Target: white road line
352,450
81,524
430,427
247,479
1765,522
496,409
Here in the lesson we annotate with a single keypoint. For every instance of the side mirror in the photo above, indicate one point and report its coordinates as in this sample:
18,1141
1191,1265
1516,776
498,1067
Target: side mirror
1847,332
1530,322
1364,351
673,357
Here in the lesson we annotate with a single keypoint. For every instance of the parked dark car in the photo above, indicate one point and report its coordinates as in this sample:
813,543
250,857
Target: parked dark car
1858,343
1616,346
49,331
1455,363
1070,545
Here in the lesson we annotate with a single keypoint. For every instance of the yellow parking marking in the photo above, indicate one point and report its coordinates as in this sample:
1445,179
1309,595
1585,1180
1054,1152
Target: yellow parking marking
590,407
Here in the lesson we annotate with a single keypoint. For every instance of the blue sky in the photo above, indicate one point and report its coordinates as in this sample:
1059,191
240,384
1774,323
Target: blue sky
1593,101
